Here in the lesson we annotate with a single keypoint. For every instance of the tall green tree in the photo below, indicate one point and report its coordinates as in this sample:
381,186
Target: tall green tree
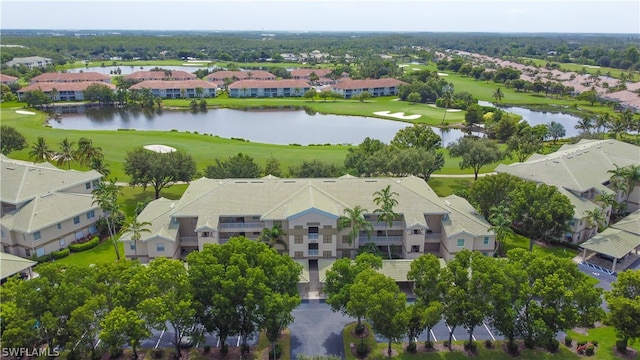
121,327
273,237
238,166
498,95
475,153
87,152
623,302
133,229
555,131
425,272
11,139
491,191
354,220
385,200
106,196
67,153
501,223
159,170
625,179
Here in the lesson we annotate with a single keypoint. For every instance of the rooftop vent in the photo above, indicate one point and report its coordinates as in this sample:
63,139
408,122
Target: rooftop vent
289,181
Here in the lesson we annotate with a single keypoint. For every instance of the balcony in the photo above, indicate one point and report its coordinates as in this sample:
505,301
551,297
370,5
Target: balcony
189,240
379,225
245,225
432,237
313,252
381,240
313,237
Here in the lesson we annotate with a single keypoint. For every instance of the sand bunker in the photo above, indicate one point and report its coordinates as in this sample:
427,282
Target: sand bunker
398,115
23,112
453,110
443,74
160,148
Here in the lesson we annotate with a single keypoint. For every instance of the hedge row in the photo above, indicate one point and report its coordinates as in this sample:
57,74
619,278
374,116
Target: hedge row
60,254
85,245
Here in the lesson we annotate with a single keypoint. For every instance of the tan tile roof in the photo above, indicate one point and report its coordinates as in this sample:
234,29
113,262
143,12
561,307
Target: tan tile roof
173,84
266,84
160,75
619,239
63,86
241,75
368,83
7,79
11,264
304,73
70,77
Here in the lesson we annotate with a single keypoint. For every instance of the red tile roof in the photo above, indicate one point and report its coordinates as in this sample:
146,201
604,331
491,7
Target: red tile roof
63,86
70,77
160,75
368,83
5,79
241,75
173,84
266,84
305,73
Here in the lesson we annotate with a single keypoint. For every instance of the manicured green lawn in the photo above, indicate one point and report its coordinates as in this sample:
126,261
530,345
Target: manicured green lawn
606,337
102,253
517,241
131,195
578,67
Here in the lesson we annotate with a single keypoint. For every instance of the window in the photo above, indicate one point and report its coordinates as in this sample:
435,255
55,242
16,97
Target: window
93,229
460,242
79,235
91,214
62,242
2,233
415,248
297,239
87,185
132,245
76,219
485,241
327,239
345,239
326,254
27,252
40,251
298,254
159,247
36,235
59,226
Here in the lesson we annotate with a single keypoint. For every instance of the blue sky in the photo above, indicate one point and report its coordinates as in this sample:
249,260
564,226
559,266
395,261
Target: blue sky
538,16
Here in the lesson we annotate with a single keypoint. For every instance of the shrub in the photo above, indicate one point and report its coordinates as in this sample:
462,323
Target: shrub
445,343
412,348
207,349
595,343
581,343
512,348
529,343
60,254
470,346
428,344
488,344
568,341
85,246
621,346
278,352
43,258
553,345
590,350
359,329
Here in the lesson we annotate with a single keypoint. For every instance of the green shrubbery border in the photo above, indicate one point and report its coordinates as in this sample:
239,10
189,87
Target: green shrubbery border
85,245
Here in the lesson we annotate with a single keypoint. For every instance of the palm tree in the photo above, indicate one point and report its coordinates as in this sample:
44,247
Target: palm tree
40,151
354,220
106,196
384,199
595,218
584,125
625,179
555,131
273,237
501,225
87,152
100,166
609,199
498,95
602,122
66,154
447,96
133,228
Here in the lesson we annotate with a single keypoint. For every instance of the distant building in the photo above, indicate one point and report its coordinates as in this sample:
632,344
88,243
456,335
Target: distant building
375,87
66,91
169,75
212,211
31,62
44,208
268,88
220,76
177,89
70,77
7,79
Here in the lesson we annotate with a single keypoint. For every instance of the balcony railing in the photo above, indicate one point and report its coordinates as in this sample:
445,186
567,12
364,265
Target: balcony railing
189,240
381,225
432,236
381,239
313,237
313,252
246,225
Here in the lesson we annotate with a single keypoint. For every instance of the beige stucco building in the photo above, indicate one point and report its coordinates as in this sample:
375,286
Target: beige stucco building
215,210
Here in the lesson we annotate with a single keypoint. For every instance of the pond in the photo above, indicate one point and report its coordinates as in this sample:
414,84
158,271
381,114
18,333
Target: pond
129,69
277,126
542,118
